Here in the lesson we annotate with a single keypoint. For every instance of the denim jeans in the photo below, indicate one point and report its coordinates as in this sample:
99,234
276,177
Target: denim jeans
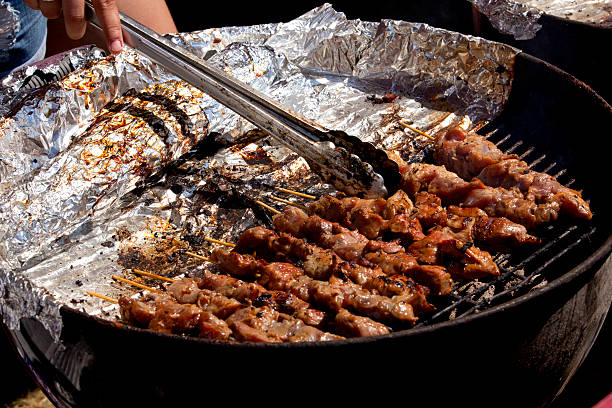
23,34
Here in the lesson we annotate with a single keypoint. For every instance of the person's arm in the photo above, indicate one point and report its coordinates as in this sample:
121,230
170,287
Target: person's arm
67,28
152,13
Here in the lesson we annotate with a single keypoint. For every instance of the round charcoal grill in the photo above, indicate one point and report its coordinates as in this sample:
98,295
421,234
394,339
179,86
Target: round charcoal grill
514,342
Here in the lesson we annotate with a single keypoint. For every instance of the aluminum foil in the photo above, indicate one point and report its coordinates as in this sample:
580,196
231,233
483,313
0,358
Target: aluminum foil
519,18
72,214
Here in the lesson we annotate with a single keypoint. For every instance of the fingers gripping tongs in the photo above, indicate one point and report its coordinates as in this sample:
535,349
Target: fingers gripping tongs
350,165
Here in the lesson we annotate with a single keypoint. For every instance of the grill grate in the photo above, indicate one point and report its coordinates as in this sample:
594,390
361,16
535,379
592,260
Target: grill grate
521,271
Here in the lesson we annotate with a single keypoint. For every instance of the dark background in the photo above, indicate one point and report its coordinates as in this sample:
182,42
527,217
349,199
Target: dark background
593,381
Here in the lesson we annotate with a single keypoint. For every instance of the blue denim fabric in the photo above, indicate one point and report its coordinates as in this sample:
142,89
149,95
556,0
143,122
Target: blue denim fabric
29,37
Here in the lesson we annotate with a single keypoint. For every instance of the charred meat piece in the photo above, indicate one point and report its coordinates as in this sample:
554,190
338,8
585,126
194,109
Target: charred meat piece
437,180
319,263
352,325
536,186
371,217
186,290
471,155
354,247
462,259
433,277
163,314
466,153
264,324
257,295
511,204
429,209
472,224
495,201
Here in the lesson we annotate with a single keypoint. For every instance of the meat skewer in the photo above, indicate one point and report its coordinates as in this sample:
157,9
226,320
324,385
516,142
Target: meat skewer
188,309
371,217
241,292
334,294
343,321
161,313
398,215
251,323
467,260
322,264
472,156
495,201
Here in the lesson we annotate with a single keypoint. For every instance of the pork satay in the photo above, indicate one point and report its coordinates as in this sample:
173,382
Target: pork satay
400,216
333,295
472,156
352,246
321,264
265,324
371,217
257,295
161,313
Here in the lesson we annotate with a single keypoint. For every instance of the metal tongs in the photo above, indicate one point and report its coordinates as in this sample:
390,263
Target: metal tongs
349,164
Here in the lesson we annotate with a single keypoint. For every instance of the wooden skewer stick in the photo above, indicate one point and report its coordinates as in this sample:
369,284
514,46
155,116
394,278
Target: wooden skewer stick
274,210
152,275
296,193
110,299
300,206
420,132
138,285
216,241
198,255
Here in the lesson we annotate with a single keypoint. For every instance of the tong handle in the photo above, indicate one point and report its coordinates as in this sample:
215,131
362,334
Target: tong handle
337,165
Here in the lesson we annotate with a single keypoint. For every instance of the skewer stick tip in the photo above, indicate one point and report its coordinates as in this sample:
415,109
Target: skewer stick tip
296,193
216,241
136,284
302,207
420,132
152,275
193,254
266,206
98,295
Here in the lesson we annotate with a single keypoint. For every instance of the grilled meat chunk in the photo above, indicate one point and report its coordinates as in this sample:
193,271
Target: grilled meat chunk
163,314
536,186
257,295
285,247
437,180
434,277
466,153
495,201
186,290
429,210
352,325
471,224
264,324
471,155
354,247
371,217
462,259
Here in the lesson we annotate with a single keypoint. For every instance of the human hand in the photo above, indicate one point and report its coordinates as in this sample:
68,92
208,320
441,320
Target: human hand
75,20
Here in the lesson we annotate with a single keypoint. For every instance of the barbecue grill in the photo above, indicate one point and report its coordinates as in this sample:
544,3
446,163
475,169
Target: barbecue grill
515,341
